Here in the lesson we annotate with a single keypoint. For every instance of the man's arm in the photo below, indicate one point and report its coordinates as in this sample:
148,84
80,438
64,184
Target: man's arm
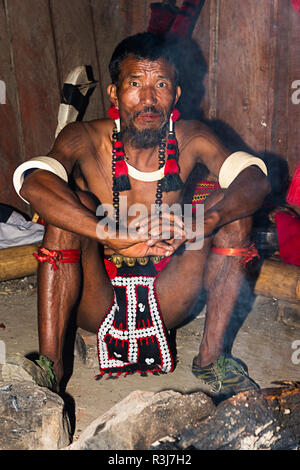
242,197
58,205
51,197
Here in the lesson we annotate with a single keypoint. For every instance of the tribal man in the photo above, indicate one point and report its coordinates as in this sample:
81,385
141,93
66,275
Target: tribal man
131,291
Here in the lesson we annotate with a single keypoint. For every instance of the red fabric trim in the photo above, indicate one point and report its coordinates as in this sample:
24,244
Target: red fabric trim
102,372
111,268
163,323
163,263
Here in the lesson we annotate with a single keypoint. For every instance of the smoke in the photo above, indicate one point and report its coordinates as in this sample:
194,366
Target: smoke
192,70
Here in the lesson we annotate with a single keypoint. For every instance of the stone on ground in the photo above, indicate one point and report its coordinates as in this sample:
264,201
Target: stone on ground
31,418
142,418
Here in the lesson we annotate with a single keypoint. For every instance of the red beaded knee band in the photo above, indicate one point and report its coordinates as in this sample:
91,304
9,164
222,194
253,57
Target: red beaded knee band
57,256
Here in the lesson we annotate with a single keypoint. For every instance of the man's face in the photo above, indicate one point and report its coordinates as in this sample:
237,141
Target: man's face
145,96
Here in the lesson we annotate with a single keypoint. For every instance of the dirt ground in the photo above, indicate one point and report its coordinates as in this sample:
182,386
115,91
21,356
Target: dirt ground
264,342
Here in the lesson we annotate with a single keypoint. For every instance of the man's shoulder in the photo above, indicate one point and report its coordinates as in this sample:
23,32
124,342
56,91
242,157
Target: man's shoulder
188,130
80,134
99,126
201,145
96,127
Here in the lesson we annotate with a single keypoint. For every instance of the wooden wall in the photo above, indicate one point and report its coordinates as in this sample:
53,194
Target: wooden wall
251,50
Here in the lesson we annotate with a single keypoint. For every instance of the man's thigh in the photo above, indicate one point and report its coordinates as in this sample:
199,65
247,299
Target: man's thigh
180,283
96,290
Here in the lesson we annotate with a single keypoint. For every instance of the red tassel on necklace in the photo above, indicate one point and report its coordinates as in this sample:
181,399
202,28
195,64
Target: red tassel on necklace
171,180
120,178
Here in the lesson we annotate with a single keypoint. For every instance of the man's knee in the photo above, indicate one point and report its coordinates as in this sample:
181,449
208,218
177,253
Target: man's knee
235,234
56,238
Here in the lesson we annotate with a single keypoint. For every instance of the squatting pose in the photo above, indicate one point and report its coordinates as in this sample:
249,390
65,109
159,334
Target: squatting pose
131,291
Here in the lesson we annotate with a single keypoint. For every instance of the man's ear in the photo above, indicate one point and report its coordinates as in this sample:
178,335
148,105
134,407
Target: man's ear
178,93
112,93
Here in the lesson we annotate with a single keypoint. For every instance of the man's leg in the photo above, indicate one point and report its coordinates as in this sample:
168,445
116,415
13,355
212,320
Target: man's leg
182,280
222,280
83,285
178,287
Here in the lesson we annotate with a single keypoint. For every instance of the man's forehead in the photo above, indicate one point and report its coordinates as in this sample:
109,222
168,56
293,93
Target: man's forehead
132,66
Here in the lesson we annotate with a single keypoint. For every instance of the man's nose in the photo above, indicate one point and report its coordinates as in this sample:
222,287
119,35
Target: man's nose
148,95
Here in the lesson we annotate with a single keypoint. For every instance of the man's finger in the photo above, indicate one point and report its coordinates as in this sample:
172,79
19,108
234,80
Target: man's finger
164,219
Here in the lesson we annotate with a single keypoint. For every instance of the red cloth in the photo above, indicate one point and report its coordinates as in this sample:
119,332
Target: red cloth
293,195
185,18
288,231
296,4
162,17
177,21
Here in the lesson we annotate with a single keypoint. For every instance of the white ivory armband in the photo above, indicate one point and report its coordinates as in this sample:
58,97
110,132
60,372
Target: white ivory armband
235,164
43,163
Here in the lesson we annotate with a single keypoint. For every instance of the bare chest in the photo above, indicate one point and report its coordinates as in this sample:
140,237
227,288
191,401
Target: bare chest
98,175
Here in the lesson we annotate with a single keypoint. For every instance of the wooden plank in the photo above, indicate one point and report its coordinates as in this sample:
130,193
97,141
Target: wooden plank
11,149
293,151
75,45
133,15
202,38
280,111
213,57
36,73
113,21
243,70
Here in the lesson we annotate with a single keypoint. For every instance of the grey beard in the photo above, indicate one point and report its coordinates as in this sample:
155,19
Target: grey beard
146,138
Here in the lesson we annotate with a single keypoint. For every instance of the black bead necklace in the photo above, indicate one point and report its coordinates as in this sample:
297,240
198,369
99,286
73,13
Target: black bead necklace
116,194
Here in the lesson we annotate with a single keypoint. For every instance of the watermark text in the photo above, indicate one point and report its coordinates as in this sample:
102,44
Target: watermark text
2,352
296,354
296,93
163,222
2,92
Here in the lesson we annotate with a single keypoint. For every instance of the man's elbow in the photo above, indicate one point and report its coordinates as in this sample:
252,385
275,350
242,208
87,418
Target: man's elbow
262,182
27,190
266,185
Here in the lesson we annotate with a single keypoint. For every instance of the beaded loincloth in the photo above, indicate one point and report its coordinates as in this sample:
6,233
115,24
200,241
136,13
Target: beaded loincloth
132,337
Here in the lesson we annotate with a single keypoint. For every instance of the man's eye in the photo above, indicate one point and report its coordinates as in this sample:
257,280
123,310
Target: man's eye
133,83
162,84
